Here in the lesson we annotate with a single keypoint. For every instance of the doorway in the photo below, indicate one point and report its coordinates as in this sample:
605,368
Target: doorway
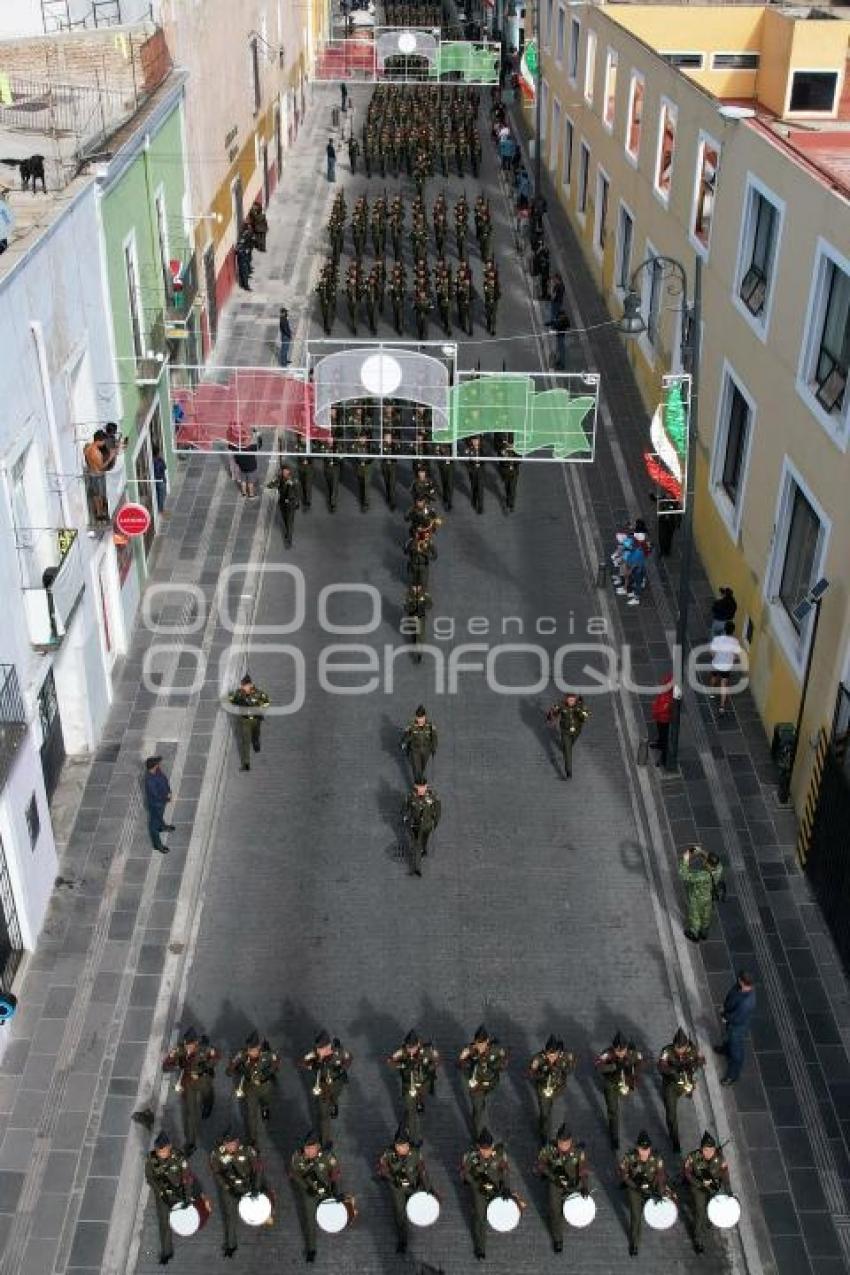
52,737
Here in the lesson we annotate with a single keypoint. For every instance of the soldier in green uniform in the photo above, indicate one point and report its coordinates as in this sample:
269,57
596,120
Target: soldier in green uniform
445,473
416,1063
304,465
440,219
329,1062
389,466
194,1059
564,1166
486,1171
422,485
422,517
370,296
315,1174
643,1175
402,1167
421,308
461,226
251,701
419,743
237,1171
172,1184
549,1071
509,469
353,152
379,226
362,447
397,225
327,289
396,290
570,714
421,551
380,272
254,1068
331,466
475,467
482,1062
618,1066
706,1173
288,500
417,604
420,815
678,1064
492,292
352,294
701,873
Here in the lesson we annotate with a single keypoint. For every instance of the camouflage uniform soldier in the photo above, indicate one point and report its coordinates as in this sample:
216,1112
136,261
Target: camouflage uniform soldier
482,1062
315,1174
618,1065
420,815
701,873
571,715
706,1173
194,1059
564,1166
644,1176
678,1064
549,1072
403,1169
237,1171
419,743
417,604
485,1169
254,1067
172,1185
329,1063
416,1063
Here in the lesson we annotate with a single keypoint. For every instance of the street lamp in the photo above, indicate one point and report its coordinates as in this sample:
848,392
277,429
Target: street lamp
633,324
811,602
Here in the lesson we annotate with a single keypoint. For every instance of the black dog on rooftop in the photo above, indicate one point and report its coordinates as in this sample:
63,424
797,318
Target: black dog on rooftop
31,170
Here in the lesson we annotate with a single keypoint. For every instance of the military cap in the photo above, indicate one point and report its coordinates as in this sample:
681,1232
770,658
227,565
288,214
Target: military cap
481,1033
551,1045
618,1042
228,1136
420,712
412,1037
161,1140
323,1039
311,1139
680,1038
485,1138
252,1039
643,1139
401,1135
707,1140
564,1134
247,680
190,1036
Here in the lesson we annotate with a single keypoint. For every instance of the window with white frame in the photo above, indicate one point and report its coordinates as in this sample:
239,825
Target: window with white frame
708,163
666,148
813,92
799,562
600,224
735,61
560,33
759,244
732,441
685,61
652,294
625,240
583,177
589,67
826,354
609,107
567,168
134,297
575,43
635,117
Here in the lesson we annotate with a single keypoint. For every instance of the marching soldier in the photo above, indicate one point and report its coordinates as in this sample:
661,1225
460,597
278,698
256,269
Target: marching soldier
352,294
445,473
421,307
491,296
509,469
329,1063
194,1059
706,1173
416,1063
440,218
389,466
379,226
482,1062
331,466
475,466
564,1166
643,1175
304,464
701,874
367,153
421,517
254,1067
397,286
247,696
443,289
461,226
380,271
237,1170
549,1071
618,1065
353,152
420,815
463,296
315,1174
172,1184
417,604
370,295
403,1169
326,290
678,1063
419,743
421,551
397,225
288,500
570,714
486,1171
422,488
362,446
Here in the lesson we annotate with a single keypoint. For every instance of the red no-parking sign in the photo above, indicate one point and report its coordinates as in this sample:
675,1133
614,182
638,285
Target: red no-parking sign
132,520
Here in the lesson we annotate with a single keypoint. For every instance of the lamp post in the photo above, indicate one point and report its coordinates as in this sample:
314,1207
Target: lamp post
538,99
633,324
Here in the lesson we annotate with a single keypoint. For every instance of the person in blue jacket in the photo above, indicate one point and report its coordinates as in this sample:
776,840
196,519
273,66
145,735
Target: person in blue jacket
738,1009
157,797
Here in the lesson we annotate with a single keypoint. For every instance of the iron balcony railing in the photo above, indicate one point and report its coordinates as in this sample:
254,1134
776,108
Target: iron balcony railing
13,722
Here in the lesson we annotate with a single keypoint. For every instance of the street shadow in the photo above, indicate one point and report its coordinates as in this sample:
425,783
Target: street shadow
383,1033
533,716
390,801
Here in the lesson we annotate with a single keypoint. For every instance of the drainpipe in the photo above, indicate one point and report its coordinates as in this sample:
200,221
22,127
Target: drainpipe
37,330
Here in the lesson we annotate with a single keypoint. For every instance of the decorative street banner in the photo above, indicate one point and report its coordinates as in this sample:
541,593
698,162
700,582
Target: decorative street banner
528,71
557,420
667,463
408,55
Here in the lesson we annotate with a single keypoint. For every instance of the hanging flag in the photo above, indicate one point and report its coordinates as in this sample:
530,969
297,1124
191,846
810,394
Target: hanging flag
662,477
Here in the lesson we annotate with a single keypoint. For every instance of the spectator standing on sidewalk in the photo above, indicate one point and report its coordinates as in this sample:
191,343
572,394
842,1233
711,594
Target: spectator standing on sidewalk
157,797
722,610
557,298
725,653
738,1009
330,152
343,95
285,337
160,478
662,711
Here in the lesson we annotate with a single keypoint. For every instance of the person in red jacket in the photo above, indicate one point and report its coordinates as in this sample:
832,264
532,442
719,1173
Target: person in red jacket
662,710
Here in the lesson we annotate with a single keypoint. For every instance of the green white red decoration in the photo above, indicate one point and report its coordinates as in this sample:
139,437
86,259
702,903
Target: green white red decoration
669,432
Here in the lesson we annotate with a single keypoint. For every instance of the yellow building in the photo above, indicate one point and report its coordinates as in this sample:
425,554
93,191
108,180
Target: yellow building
724,132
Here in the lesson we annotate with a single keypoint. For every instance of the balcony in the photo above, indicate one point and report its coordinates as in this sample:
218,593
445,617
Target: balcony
150,364
104,493
13,722
181,291
53,582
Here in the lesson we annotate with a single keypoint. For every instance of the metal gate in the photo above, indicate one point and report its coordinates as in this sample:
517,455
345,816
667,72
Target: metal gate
828,863
11,947
52,740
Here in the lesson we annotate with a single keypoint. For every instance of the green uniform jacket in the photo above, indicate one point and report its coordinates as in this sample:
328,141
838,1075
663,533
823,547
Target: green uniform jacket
699,882
317,1177
417,1070
482,1071
553,1077
254,1071
647,1176
568,1171
328,1072
710,1176
488,1176
422,813
240,1173
405,1172
171,1179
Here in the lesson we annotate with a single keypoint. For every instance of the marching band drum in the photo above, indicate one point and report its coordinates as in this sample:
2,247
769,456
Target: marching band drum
503,1213
333,1216
724,1210
422,1208
255,1210
186,1220
660,1214
579,1210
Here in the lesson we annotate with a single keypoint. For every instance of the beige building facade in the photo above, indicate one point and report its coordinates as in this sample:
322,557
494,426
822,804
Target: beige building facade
718,132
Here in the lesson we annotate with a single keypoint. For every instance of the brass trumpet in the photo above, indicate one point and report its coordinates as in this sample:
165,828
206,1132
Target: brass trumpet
549,1086
240,1088
686,1081
623,1086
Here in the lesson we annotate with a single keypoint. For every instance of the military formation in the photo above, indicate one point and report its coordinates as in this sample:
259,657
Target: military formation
245,1194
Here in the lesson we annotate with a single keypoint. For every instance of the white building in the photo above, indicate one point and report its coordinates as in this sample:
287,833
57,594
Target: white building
45,17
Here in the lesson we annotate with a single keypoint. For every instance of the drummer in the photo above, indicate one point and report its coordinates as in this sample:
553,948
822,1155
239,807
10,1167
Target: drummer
564,1166
707,1173
237,1170
172,1185
644,1177
403,1169
314,1171
485,1170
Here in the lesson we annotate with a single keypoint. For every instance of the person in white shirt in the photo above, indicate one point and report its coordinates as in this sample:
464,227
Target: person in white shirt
725,654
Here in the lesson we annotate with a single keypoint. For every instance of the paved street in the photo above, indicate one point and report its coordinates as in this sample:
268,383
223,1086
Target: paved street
284,904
